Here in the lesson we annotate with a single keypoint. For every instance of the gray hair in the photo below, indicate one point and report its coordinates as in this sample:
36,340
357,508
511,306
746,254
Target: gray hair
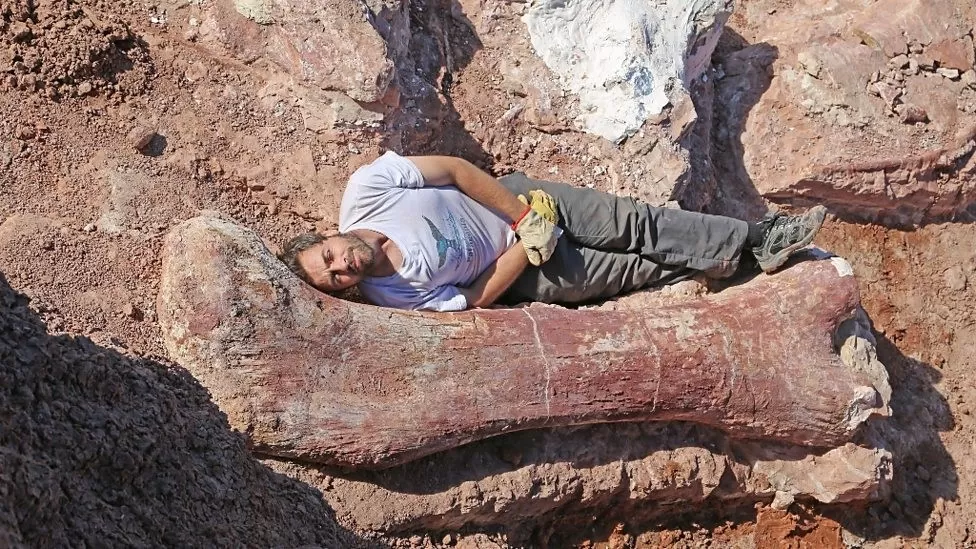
293,247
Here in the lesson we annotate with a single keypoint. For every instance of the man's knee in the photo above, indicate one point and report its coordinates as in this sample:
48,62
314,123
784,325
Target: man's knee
518,183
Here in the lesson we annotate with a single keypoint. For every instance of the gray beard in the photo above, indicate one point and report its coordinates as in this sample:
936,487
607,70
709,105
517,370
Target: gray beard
358,244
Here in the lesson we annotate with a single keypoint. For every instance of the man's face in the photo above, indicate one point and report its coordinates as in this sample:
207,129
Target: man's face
337,263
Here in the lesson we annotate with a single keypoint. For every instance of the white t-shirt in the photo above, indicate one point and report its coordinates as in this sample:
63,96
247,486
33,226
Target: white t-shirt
447,239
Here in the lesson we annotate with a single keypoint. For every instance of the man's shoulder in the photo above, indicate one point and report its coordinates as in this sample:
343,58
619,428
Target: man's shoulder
370,187
388,171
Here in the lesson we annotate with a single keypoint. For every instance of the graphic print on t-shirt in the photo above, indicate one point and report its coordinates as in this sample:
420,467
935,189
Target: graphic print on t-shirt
455,242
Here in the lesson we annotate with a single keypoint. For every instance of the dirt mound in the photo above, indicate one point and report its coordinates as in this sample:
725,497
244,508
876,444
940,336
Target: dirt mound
101,449
63,49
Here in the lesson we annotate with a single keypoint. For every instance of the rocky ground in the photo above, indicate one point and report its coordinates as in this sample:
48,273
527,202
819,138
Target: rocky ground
118,120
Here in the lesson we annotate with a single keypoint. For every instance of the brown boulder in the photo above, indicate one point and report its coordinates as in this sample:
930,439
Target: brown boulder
886,24
953,54
900,136
935,184
638,470
329,45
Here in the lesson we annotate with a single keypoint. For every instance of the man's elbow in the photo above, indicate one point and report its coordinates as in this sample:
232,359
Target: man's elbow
461,169
476,299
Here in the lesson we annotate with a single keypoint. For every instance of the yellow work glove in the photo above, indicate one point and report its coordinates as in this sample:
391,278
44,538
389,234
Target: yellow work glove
538,237
544,204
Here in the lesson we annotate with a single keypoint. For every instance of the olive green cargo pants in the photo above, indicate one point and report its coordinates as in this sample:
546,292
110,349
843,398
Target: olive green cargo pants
612,245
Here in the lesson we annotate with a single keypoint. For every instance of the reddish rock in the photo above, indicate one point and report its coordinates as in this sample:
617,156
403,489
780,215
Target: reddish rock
310,376
875,167
925,62
911,114
887,23
140,137
329,45
899,61
21,32
900,190
889,94
25,132
953,53
650,465
838,92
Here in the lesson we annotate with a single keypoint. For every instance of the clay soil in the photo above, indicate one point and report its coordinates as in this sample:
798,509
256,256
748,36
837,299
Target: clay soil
104,441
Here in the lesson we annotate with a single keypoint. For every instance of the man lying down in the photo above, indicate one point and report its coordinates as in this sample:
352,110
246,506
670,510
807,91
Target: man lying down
438,233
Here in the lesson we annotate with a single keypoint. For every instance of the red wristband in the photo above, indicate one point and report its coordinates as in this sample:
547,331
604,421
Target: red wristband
521,217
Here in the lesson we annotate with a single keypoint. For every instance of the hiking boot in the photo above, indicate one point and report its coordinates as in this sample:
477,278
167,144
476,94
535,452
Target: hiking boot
785,234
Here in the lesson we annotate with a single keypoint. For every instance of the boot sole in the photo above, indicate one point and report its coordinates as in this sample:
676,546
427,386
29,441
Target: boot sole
819,214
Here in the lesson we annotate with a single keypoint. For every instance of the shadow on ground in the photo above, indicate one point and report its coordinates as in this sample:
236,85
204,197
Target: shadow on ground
101,449
720,172
924,471
442,42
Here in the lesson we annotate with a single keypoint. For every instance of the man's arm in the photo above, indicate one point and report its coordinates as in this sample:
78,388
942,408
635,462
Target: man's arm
472,181
492,283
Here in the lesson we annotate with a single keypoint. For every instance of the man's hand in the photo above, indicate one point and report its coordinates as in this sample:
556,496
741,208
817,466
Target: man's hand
543,203
538,237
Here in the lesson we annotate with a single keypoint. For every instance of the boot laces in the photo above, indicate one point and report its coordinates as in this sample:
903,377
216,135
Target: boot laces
783,230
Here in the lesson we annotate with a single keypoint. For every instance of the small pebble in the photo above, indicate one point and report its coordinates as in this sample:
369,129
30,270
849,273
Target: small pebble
912,114
140,137
899,61
969,78
955,278
132,311
923,473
